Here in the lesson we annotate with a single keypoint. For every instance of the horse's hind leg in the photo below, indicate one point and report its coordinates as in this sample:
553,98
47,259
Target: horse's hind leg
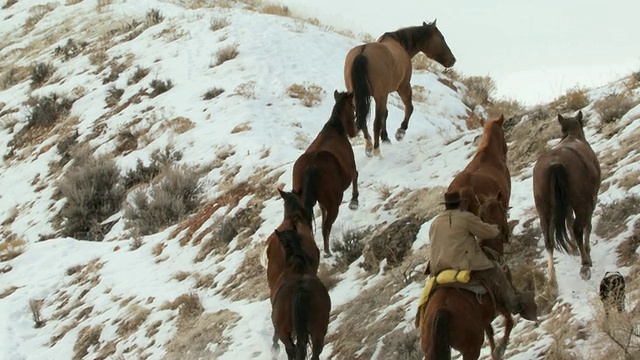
353,204
579,227
378,122
318,345
548,232
405,94
328,218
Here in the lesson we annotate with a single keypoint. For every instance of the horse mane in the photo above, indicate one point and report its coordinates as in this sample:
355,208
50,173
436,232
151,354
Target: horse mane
335,121
410,38
485,143
294,254
293,208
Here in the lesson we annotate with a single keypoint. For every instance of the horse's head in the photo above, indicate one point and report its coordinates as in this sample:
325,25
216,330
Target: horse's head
572,126
295,257
493,135
293,208
491,209
434,46
345,110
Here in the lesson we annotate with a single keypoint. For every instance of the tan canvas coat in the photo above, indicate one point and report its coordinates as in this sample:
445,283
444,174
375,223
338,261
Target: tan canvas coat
453,245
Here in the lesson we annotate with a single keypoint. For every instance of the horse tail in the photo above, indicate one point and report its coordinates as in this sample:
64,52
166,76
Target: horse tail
301,318
361,89
309,192
441,348
560,200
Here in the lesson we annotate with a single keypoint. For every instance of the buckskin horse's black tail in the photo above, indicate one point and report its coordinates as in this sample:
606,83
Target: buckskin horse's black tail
560,194
441,348
361,89
309,191
301,318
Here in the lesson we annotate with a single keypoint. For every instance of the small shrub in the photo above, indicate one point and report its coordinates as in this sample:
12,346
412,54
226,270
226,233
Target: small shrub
40,73
113,96
138,75
93,193
212,93
613,216
402,345
309,94
160,86
393,243
154,17
175,196
70,50
246,90
46,110
479,90
576,99
506,107
350,247
628,249
142,173
11,246
9,78
116,70
614,106
218,23
422,62
280,10
226,53
98,58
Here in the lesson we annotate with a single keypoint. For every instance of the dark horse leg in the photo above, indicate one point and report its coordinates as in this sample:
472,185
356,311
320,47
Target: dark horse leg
380,119
318,345
579,226
329,216
405,94
353,204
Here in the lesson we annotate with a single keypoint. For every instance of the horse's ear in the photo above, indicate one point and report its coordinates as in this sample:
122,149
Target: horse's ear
424,23
560,119
281,193
501,120
336,94
434,22
579,117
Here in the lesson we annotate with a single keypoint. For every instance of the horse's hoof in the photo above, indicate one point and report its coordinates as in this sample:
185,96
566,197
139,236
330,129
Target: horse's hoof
400,134
353,205
385,139
327,255
376,151
368,151
585,273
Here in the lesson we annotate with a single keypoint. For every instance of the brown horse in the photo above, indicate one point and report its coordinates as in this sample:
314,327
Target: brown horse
328,167
379,68
274,254
457,318
486,181
566,181
301,303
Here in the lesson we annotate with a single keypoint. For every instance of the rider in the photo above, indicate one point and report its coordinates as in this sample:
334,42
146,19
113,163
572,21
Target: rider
453,246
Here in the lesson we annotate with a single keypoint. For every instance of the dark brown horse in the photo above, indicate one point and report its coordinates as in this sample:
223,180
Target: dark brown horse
566,181
328,167
485,183
273,258
301,303
456,318
379,68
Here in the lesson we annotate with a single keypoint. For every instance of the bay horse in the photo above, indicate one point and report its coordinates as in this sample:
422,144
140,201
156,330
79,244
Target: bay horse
274,256
378,68
457,318
566,180
301,303
327,168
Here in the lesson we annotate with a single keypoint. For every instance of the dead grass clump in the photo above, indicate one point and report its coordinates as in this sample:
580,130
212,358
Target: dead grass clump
11,246
46,110
621,334
628,249
310,94
507,107
212,93
328,276
9,4
421,62
159,160
114,95
528,138
138,75
12,76
248,283
88,336
479,90
36,13
226,53
613,216
135,317
188,305
614,106
70,50
365,320
630,179
218,23
8,291
93,192
103,4
160,86
280,10
424,201
575,99
72,2
202,336
564,333
393,243
245,126
402,345
40,73
176,195
154,17
350,246
246,90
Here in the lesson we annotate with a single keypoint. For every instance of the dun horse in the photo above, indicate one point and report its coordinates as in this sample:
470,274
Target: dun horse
301,303
566,180
328,167
379,68
458,319
273,258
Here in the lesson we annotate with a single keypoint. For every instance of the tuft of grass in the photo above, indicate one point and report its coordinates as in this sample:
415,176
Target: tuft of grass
402,345
114,95
279,10
88,336
46,110
11,246
614,106
507,107
9,4
37,13
153,17
70,50
628,249
138,75
310,94
246,90
479,90
576,99
212,93
160,159
160,86
40,73
392,243
614,214
226,53
350,246
218,23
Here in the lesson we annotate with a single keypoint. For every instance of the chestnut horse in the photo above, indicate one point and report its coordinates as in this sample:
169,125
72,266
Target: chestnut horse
566,181
379,68
273,258
457,318
300,304
328,167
